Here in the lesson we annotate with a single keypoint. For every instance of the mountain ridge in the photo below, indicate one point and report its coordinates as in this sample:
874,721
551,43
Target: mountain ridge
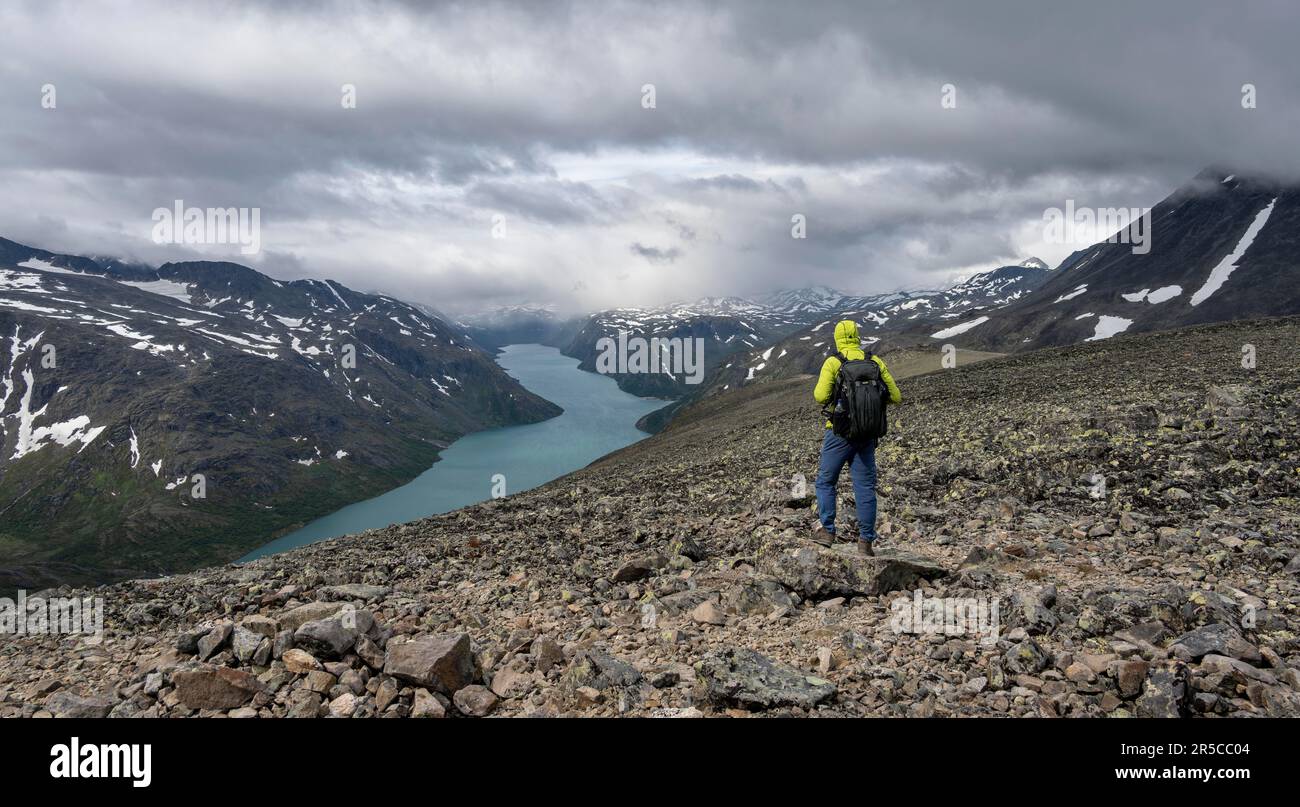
157,419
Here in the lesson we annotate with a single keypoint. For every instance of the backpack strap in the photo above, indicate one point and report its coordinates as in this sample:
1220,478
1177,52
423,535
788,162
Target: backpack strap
829,406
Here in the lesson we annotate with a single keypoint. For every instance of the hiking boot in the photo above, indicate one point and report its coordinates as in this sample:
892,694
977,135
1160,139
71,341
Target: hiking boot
866,548
822,536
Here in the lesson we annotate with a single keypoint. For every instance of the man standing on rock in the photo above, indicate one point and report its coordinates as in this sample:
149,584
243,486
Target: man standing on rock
853,389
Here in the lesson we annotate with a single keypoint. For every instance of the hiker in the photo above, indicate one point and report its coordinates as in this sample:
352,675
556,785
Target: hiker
854,388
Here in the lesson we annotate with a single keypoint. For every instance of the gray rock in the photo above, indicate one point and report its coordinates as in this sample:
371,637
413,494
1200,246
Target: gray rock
187,642
208,687
312,611
616,672
1025,658
282,644
443,663
1162,695
335,635
708,613
428,704
369,652
355,591
387,693
245,643
344,705
1219,639
300,662
262,655
546,653
1238,670
475,700
215,639
819,573
304,704
1029,611
596,670
513,680
153,683
749,680
633,570
261,625
1129,676
757,596
66,704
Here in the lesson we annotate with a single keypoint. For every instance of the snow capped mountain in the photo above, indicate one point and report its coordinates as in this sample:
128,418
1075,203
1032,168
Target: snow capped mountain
1224,246
120,385
878,316
505,313
806,300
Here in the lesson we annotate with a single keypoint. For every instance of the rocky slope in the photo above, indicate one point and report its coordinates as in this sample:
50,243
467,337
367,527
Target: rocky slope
1138,535
122,387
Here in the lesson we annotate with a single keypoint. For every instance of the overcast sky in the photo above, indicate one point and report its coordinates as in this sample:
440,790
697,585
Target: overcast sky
535,113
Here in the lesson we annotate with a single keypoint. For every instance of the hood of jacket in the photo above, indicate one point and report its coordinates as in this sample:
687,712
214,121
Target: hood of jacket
846,337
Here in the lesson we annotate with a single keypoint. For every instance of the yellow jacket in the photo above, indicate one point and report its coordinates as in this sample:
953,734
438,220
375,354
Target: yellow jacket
848,343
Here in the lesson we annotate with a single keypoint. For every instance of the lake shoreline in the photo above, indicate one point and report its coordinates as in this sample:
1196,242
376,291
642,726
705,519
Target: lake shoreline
597,419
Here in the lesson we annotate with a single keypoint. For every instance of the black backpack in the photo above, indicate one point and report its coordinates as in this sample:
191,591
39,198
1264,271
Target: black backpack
857,406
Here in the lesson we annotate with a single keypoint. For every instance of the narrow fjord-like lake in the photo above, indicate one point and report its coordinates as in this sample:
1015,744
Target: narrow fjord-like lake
598,418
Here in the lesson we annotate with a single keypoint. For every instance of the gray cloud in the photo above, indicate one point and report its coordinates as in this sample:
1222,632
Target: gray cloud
655,254
763,110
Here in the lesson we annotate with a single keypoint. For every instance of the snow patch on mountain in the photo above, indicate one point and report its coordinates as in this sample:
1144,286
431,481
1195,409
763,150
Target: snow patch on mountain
1219,274
1072,294
166,288
959,329
1108,326
1160,295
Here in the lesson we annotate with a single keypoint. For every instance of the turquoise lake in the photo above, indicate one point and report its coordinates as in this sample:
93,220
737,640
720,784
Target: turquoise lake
598,418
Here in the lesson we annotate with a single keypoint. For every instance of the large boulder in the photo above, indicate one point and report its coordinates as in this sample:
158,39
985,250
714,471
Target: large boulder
443,663
355,591
220,688
1217,639
598,670
312,611
749,680
335,635
66,704
750,596
819,573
